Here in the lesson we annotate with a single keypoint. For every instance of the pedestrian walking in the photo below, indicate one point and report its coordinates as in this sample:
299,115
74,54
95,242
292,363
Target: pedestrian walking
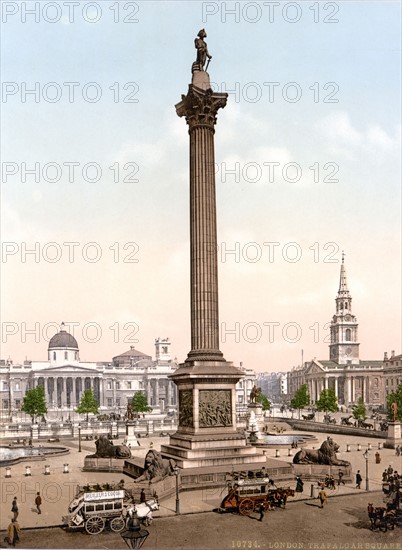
13,532
142,496
38,503
261,511
322,495
397,450
340,477
299,484
14,508
359,480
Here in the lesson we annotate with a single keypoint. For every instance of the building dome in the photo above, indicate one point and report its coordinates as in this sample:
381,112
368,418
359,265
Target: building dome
63,339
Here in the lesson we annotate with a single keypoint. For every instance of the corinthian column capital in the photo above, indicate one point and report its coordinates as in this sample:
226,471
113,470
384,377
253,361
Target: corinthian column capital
200,107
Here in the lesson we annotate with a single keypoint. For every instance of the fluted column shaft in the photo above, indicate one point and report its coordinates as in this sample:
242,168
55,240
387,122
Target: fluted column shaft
200,108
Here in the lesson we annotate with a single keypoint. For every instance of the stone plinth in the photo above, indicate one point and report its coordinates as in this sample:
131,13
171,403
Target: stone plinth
103,464
130,440
394,436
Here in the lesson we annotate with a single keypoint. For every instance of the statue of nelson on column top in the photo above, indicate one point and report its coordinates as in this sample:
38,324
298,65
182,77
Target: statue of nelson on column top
201,80
202,52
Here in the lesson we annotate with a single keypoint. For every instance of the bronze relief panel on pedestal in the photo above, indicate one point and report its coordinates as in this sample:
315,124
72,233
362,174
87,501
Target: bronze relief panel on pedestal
186,418
215,408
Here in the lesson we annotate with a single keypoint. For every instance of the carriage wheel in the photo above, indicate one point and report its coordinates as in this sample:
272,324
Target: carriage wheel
117,524
246,506
94,525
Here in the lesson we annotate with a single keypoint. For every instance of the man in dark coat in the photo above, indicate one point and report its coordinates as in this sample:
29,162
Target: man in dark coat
359,480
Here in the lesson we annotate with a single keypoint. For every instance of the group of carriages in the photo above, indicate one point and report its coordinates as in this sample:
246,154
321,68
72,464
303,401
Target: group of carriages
247,494
386,517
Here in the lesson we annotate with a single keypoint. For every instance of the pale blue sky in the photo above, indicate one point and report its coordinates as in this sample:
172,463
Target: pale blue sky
360,212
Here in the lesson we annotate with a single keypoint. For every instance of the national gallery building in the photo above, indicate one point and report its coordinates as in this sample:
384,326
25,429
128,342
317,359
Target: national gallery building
349,376
114,383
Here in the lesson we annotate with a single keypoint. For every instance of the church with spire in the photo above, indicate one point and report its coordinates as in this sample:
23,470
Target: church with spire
350,377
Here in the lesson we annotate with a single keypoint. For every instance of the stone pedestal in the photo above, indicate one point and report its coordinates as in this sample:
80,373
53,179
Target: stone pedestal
130,440
394,436
207,435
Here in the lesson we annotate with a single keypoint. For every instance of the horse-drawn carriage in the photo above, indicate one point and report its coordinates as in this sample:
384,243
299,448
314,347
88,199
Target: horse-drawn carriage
246,495
329,420
381,518
97,510
309,416
345,421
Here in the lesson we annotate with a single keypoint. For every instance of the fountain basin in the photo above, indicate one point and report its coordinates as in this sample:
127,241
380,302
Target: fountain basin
281,440
12,455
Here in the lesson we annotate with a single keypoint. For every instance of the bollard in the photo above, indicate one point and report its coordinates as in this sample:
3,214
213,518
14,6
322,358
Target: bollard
47,469
348,447
277,453
65,471
289,452
359,447
380,446
8,471
27,471
369,446
312,491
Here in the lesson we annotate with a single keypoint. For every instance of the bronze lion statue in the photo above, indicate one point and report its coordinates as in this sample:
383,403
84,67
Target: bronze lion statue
106,449
156,467
326,454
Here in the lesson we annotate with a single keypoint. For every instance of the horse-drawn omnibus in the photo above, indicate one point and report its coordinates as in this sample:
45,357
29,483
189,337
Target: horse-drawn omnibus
96,510
246,495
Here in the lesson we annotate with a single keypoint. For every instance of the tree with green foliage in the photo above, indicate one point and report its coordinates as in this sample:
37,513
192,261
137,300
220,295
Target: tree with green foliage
328,401
139,403
264,401
359,410
88,403
301,398
395,397
34,402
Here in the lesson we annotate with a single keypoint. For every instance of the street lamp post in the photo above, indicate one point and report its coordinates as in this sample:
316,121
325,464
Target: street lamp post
176,473
79,438
134,536
366,455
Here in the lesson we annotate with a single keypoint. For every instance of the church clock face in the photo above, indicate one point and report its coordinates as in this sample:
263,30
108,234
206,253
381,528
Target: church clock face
348,351
347,318
333,352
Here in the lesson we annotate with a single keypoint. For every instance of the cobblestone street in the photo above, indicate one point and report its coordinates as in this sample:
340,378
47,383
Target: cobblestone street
342,525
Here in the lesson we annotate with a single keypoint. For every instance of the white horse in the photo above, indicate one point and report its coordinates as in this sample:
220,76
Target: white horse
144,510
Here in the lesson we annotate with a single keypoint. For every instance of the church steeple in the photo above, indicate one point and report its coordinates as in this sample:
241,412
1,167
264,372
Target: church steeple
344,348
343,299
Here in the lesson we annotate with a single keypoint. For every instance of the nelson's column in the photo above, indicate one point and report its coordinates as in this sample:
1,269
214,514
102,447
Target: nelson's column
207,435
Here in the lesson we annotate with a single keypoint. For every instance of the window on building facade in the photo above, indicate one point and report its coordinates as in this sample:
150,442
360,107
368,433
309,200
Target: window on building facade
66,355
109,385
117,385
17,386
348,334
129,385
18,403
118,402
109,402
5,385
54,356
5,404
